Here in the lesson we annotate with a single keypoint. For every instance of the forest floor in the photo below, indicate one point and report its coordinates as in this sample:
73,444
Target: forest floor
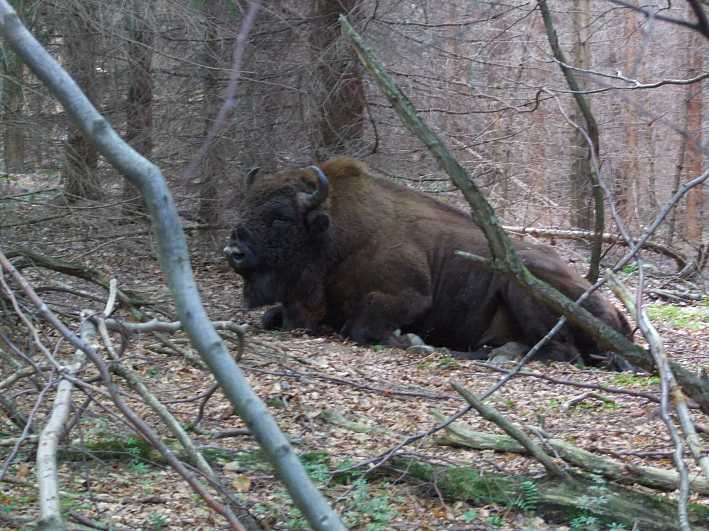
387,394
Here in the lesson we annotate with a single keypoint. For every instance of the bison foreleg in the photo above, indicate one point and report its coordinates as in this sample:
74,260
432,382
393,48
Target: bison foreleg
273,318
292,316
380,315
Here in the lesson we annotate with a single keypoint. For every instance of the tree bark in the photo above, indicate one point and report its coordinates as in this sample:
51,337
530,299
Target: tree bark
694,154
341,97
216,54
139,99
591,152
627,174
79,173
12,93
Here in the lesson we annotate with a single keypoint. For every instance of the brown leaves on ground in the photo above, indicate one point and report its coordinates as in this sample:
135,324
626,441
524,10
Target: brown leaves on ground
384,394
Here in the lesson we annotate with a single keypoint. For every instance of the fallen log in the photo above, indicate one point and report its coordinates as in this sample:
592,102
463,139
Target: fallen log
556,500
458,434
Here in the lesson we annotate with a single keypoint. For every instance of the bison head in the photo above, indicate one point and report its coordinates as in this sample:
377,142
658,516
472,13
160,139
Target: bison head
279,244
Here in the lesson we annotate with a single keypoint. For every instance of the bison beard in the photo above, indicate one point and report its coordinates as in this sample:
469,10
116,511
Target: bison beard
340,249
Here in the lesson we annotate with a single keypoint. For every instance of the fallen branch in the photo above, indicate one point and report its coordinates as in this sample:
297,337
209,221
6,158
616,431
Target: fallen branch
47,475
457,434
504,257
572,234
35,259
491,414
668,379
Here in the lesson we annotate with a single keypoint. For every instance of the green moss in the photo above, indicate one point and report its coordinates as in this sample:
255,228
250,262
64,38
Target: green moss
693,317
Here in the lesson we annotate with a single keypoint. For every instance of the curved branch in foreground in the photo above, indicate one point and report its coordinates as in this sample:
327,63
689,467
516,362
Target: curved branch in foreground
504,256
175,262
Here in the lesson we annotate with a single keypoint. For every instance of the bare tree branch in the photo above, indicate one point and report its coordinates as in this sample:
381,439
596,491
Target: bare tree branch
174,259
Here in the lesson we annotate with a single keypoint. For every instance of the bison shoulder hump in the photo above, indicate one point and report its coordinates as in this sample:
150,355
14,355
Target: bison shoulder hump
344,167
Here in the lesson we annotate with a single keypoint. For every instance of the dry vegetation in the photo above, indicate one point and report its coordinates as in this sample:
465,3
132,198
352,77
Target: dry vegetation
339,403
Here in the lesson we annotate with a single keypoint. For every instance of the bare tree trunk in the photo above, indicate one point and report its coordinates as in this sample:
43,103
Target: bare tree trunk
216,52
537,142
139,100
627,174
341,95
584,107
679,171
14,141
694,157
581,215
79,173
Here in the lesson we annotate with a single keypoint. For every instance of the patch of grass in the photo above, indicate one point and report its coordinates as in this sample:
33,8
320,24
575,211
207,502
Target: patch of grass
317,466
156,522
694,317
368,508
495,520
446,361
627,379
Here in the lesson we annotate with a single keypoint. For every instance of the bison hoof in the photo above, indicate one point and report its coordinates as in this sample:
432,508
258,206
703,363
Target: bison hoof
273,318
421,349
507,353
615,362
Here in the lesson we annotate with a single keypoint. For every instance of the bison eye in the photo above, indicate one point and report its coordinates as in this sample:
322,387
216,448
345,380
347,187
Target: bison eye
279,223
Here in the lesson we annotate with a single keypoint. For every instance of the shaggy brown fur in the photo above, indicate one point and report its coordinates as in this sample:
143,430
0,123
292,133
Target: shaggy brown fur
374,257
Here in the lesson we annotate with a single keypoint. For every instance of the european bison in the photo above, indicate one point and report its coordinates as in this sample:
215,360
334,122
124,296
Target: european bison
339,248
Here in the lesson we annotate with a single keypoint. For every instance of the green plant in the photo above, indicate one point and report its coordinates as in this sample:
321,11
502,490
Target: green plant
495,520
317,466
156,522
447,361
625,379
585,523
470,516
630,268
529,499
376,509
615,526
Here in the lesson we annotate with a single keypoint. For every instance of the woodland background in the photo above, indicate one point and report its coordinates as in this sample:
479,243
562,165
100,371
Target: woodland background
482,75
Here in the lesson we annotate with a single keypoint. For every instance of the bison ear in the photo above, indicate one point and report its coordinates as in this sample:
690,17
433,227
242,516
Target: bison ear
318,221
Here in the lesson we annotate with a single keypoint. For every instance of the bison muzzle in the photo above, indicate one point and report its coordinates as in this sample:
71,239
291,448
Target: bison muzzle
338,249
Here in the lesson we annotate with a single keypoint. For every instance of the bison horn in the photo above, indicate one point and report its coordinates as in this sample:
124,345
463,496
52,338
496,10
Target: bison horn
318,197
251,175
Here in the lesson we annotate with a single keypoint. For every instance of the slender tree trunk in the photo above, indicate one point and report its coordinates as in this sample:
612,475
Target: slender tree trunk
216,52
694,157
626,176
341,96
584,107
679,171
79,173
139,100
14,141
580,177
12,101
537,142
